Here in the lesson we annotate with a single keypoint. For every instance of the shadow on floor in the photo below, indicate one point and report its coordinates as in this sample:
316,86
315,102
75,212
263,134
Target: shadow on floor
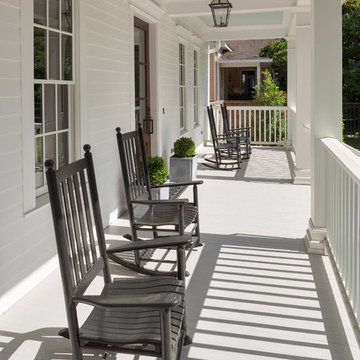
266,164
249,297
40,344
258,297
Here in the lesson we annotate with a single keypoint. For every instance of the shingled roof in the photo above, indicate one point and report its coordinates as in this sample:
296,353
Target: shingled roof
244,49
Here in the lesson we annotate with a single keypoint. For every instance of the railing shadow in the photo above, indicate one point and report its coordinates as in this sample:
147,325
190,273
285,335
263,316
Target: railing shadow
40,344
280,307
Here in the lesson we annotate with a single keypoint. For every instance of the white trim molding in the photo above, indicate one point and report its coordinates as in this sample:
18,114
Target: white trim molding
183,33
21,289
147,10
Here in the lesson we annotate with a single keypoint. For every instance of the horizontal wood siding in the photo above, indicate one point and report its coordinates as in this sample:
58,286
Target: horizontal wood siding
169,87
104,79
26,242
108,31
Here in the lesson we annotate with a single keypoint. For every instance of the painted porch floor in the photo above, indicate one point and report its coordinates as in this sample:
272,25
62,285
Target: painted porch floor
254,293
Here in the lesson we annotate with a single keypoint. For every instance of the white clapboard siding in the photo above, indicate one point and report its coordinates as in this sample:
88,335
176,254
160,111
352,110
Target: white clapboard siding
107,58
26,242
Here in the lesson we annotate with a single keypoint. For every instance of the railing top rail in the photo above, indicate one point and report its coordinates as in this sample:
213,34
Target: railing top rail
239,107
349,160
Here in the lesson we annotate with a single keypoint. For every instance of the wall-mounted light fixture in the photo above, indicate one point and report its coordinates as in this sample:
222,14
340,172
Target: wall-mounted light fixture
220,11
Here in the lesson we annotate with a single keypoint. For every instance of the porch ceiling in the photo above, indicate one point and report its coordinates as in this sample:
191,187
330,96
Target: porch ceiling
249,19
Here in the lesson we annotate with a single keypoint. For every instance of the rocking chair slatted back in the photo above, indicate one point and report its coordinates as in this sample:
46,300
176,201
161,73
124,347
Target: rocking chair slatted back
210,112
74,200
134,165
225,117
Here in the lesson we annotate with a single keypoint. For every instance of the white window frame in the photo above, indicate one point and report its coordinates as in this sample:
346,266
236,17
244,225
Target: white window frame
31,200
69,83
182,86
196,86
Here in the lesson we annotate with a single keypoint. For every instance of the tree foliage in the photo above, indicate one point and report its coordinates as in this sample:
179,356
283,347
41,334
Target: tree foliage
269,93
351,50
277,51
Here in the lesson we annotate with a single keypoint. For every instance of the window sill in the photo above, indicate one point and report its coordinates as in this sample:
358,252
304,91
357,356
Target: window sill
40,202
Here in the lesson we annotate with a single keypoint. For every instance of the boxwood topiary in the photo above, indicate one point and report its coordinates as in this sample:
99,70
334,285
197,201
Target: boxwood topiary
184,148
158,171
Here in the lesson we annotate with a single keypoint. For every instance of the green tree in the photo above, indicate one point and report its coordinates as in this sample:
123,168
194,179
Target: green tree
272,122
269,94
351,50
277,51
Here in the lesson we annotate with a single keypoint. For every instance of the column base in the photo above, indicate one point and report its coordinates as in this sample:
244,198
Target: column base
315,239
299,176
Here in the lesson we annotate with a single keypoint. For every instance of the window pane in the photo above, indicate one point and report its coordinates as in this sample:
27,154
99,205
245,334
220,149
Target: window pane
50,108
54,19
38,113
67,57
39,53
181,100
140,112
63,107
195,59
50,147
39,170
181,118
66,15
139,45
54,55
63,150
40,12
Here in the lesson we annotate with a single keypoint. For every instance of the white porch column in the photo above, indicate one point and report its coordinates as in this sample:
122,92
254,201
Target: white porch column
326,107
302,172
291,89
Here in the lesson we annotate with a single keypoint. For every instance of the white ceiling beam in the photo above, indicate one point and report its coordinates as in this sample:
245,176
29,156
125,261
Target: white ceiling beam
244,33
201,8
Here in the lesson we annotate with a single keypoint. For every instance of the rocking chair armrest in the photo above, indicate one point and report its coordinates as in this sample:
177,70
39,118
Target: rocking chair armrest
237,132
224,138
108,301
161,202
244,128
173,184
169,241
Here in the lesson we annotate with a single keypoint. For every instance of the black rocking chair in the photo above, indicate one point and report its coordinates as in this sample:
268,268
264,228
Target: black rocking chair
243,133
146,214
227,153
143,316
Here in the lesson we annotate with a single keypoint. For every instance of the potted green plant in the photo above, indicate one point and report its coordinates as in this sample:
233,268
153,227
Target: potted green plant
158,174
183,164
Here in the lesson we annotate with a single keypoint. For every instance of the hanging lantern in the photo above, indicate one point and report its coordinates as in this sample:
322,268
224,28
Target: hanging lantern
220,11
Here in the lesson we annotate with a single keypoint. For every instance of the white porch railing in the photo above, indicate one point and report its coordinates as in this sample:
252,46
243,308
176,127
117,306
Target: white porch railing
269,125
343,221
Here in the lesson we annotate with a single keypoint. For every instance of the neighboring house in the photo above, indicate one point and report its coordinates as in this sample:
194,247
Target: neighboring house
235,68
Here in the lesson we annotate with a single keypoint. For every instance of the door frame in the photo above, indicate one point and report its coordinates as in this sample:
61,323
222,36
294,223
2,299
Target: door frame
148,125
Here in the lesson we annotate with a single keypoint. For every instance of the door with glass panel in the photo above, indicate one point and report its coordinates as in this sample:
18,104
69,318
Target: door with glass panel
142,80
53,84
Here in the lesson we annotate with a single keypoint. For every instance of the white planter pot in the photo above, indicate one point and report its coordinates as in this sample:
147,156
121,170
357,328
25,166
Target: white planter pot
160,193
183,169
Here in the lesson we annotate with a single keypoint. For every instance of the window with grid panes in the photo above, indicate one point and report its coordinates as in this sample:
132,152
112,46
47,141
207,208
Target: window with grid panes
196,84
53,84
182,86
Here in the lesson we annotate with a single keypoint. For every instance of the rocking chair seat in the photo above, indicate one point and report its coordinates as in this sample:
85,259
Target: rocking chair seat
158,215
133,326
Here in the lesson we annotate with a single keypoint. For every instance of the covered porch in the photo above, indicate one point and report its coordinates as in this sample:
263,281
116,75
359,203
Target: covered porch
257,290
254,291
